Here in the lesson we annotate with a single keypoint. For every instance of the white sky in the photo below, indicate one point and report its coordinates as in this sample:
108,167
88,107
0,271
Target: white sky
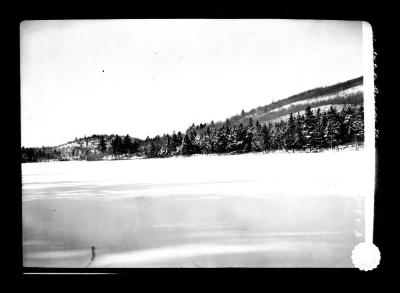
163,75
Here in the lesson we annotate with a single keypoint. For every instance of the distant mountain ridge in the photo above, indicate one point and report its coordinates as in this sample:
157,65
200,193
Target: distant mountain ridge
317,92
349,92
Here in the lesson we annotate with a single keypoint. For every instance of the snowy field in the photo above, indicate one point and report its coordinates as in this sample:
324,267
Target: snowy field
251,210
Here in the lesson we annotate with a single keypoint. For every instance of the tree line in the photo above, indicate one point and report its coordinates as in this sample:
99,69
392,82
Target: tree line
39,154
311,130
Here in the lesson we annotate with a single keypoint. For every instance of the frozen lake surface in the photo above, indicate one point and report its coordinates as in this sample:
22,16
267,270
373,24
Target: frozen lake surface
251,210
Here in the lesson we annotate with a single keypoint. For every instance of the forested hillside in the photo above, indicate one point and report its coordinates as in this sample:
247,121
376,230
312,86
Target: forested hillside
345,93
313,120
92,147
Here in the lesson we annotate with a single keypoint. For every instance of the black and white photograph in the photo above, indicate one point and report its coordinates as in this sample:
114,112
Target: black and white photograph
197,143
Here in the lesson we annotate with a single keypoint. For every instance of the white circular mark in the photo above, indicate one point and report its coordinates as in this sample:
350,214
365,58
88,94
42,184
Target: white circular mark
366,256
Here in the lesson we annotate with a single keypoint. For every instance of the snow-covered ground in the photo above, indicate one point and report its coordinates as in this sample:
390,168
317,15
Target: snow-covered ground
263,210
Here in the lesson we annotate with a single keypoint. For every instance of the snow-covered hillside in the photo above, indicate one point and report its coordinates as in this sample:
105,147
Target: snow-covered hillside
80,148
342,94
346,93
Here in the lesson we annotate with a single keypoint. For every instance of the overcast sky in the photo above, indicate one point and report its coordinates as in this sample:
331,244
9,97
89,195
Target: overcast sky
148,77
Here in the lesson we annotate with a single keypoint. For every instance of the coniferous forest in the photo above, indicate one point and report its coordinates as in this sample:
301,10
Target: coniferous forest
311,130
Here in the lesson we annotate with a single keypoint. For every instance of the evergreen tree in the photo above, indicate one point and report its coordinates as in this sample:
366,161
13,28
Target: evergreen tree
332,130
102,145
232,140
198,143
358,125
187,145
309,128
250,123
165,146
240,138
179,145
324,124
191,132
227,123
157,143
273,137
213,140
347,126
221,141
320,124
135,146
206,142
126,147
299,141
168,144
290,135
174,142
116,145
266,137
257,143
248,139
280,131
